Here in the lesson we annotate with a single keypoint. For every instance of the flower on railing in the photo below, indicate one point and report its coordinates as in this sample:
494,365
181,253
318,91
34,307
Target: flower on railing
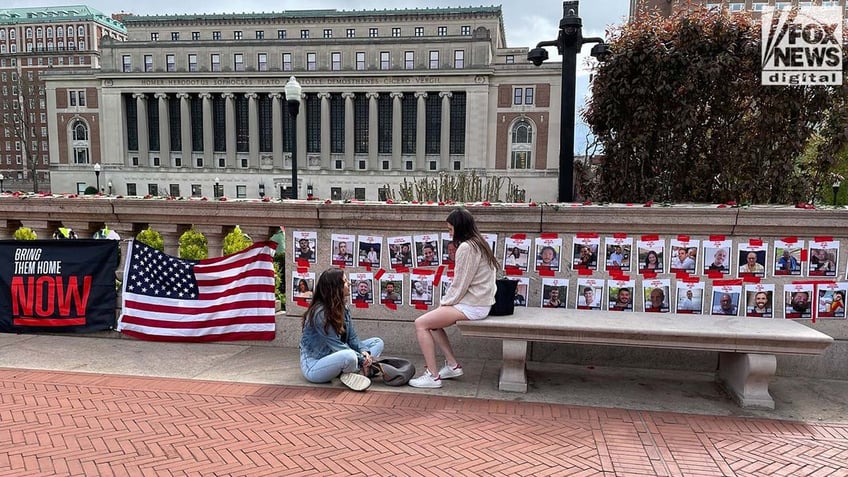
804,205
649,203
266,199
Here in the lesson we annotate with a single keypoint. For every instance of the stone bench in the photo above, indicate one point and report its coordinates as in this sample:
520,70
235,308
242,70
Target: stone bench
746,346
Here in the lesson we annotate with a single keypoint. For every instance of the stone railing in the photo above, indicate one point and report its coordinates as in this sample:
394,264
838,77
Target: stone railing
261,219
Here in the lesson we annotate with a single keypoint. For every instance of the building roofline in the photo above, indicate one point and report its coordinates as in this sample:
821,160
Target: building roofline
57,14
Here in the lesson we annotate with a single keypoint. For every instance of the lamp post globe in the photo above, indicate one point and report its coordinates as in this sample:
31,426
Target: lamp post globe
836,185
97,175
217,192
293,94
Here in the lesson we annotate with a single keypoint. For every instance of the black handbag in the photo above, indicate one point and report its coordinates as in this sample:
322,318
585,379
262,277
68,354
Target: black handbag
394,371
504,297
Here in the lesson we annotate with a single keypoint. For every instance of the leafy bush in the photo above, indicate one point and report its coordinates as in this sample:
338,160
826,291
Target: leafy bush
25,233
151,238
236,241
90,190
193,245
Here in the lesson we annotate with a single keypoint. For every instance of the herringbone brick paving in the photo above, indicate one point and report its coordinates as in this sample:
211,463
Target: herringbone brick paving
64,423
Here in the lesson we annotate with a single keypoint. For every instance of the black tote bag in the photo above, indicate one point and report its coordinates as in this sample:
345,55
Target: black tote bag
504,297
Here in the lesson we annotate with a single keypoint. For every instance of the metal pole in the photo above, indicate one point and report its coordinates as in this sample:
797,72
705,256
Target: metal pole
571,41
294,106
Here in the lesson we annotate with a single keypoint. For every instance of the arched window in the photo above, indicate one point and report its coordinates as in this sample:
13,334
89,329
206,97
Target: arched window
70,31
81,31
39,32
521,145
2,34
60,32
29,32
49,32
79,142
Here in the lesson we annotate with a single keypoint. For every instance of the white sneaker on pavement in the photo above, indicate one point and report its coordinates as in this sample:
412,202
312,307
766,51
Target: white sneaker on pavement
448,371
355,381
426,380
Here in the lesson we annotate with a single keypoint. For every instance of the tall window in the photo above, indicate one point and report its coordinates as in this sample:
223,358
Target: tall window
196,113
408,115
171,63
384,124
262,61
459,59
287,61
238,61
434,59
132,122
242,123
219,123
148,63
80,142
337,123
395,32
127,63
457,123
335,61
409,60
521,147
215,60
433,124
311,61
385,60
360,60
360,124
153,125
313,123
192,62
265,123
175,123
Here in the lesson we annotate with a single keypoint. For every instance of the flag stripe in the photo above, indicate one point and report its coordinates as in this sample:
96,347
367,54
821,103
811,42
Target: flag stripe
222,322
184,312
241,335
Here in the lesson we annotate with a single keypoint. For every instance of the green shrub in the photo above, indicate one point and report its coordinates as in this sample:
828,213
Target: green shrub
90,190
193,245
236,241
151,238
25,233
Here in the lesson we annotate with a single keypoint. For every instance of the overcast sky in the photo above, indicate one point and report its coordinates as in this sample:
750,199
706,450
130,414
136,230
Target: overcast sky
527,22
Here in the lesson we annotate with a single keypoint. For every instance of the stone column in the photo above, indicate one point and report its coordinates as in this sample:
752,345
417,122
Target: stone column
348,129
164,129
253,128
143,128
185,128
231,128
277,128
420,131
373,129
444,136
397,147
301,134
325,127
208,131
214,238
170,237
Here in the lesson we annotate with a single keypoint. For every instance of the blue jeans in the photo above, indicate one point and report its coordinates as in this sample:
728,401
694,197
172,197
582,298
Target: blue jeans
325,369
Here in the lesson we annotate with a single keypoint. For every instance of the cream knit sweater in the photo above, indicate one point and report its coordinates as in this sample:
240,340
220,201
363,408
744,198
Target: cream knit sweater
473,280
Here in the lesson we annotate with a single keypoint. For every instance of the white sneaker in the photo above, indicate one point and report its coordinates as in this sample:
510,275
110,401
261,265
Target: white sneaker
449,371
426,380
355,381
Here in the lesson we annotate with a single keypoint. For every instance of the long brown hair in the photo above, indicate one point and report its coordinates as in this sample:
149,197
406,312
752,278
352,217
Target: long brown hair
329,295
465,230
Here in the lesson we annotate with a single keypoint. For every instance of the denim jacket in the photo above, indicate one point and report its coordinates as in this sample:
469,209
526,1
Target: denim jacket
315,343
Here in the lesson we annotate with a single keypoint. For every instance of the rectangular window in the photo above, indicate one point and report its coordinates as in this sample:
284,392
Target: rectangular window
216,35
287,61
510,59
238,62
262,61
517,96
148,63
131,189
351,32
361,164
419,31
241,191
171,63
127,63
260,34
459,59
386,165
178,161
335,61
244,162
373,32
222,162
442,31
281,34
328,33
192,62
156,161
80,101
154,36
196,190
199,161
153,189
528,96
72,98
311,61
409,60
195,36
304,34
434,59
238,35
385,60
360,60
215,60
395,32
174,190
175,36
359,193
134,161
465,30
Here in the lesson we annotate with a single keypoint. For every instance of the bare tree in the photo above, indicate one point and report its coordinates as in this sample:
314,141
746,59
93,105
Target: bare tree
24,104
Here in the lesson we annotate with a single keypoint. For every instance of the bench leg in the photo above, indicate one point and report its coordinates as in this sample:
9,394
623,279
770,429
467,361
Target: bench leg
746,377
514,370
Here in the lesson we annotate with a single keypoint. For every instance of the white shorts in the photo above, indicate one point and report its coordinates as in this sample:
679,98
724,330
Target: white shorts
473,313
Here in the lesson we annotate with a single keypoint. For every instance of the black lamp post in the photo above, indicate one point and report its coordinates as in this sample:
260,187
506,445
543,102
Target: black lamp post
261,190
2,178
293,92
109,185
217,191
569,42
97,175
836,184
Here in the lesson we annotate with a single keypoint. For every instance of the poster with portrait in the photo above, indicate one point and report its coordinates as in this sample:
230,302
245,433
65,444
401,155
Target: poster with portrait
427,250
303,284
421,289
370,250
305,246
823,256
752,259
492,240
362,288
798,301
445,283
656,295
618,252
727,298
684,255
400,251
391,288
717,258
516,253
759,300
342,250
620,294
590,293
787,257
651,252
522,291
585,255
448,250
830,300
548,251
690,297
554,292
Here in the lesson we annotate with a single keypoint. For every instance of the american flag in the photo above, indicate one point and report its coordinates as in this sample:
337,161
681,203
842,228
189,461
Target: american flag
228,298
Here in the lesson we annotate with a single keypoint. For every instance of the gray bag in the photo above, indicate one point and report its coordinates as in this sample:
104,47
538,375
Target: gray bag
395,371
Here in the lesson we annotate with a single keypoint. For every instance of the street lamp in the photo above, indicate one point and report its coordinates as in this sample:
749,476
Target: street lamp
217,191
293,92
261,190
97,175
2,177
109,185
836,184
569,42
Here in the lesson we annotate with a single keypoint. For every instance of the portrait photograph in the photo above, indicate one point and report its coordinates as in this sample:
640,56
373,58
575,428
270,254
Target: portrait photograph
342,250
656,294
690,298
798,301
822,258
590,294
445,283
717,258
427,250
305,246
391,288
400,251
548,254
617,256
554,293
448,249
726,300
370,248
759,300
303,284
830,300
421,289
787,257
752,260
522,291
516,253
361,288
684,256
621,294
650,255
585,255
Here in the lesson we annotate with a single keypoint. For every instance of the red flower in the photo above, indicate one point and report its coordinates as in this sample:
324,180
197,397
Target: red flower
532,204
648,203
731,203
223,199
414,201
266,199
328,201
204,199
587,202
441,202
390,201
722,206
486,203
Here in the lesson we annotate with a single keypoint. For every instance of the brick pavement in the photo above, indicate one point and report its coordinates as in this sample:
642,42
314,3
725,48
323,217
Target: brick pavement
65,423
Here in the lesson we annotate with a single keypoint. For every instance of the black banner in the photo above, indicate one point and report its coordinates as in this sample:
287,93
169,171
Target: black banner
57,285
